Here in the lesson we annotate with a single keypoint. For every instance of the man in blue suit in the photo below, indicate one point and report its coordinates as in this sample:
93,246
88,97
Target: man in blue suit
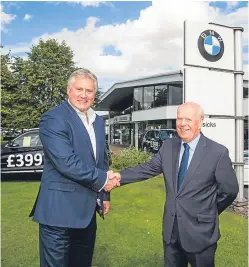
74,177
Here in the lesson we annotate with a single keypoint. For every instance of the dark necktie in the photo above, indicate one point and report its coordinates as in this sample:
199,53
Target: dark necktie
183,166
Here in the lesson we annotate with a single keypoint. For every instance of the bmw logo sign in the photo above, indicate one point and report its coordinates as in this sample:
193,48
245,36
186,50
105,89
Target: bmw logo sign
210,45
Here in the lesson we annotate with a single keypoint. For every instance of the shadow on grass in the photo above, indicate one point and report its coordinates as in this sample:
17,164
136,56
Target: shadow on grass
106,258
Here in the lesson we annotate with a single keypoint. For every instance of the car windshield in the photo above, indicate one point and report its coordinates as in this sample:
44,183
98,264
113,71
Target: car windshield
167,134
29,139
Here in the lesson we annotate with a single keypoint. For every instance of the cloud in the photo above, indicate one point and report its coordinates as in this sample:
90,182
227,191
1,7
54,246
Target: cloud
5,18
92,3
27,17
232,4
153,43
16,49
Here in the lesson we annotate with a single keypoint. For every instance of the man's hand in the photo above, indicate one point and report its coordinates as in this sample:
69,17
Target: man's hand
113,180
107,205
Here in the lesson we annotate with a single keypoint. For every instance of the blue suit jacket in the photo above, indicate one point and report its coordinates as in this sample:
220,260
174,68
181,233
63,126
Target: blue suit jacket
71,176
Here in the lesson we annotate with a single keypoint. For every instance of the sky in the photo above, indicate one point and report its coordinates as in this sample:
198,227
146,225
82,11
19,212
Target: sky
116,40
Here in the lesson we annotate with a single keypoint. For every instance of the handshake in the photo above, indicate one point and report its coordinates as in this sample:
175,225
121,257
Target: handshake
113,180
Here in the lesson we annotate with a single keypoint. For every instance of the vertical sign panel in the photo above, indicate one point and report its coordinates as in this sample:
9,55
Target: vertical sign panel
213,90
221,131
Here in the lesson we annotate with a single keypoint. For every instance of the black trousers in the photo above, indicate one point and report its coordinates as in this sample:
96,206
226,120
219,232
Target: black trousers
67,247
176,256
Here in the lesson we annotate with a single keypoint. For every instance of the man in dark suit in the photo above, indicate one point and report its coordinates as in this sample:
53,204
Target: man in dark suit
74,176
200,185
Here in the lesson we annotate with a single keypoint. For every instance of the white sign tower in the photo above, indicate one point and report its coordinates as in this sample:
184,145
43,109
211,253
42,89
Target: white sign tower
213,77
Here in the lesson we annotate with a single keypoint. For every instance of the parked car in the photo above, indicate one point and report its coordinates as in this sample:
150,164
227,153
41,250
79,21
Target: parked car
24,154
153,139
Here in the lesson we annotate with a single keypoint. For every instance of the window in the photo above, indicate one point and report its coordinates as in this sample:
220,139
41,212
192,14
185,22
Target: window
148,97
149,134
30,139
164,135
138,98
157,134
175,92
161,95
245,92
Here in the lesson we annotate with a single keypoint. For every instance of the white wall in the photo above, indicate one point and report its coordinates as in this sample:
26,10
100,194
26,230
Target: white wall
160,113
166,112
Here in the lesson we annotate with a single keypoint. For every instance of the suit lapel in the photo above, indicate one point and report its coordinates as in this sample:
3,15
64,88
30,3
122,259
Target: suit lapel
85,136
175,161
96,126
199,154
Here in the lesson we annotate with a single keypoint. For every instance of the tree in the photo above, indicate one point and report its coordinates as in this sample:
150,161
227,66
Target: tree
50,64
97,97
31,87
8,91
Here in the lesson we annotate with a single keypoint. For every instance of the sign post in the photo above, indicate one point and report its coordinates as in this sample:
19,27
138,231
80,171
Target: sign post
213,77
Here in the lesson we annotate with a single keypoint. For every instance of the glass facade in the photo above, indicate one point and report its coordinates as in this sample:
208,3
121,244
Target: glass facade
245,92
121,134
175,95
148,97
138,98
161,95
144,98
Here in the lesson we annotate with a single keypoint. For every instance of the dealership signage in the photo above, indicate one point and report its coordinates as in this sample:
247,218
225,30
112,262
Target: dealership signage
213,77
222,131
122,118
211,45
208,45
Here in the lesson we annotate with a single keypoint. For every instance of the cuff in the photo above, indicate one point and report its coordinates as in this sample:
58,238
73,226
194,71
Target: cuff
104,184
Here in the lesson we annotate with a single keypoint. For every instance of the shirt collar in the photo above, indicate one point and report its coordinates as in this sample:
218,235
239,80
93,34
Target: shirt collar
91,114
193,143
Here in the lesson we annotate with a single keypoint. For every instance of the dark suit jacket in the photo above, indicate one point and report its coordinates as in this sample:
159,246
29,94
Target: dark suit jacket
209,187
71,176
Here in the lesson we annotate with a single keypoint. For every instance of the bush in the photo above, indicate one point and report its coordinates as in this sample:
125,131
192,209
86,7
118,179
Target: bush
128,157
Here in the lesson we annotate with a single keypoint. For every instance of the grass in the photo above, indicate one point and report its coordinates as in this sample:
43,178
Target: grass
130,236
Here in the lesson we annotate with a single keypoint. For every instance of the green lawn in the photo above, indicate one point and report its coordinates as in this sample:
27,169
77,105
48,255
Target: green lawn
130,236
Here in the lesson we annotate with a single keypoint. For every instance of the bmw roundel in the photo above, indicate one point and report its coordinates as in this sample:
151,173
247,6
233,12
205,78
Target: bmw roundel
210,45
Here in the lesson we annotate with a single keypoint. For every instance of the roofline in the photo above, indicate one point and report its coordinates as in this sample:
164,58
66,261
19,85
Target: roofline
115,85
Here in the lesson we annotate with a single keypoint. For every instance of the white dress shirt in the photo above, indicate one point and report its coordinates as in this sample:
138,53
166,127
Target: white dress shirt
192,148
89,127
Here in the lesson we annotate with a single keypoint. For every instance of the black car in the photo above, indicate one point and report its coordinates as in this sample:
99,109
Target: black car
24,154
153,139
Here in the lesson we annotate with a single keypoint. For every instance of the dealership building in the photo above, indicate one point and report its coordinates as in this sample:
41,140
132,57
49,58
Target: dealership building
149,103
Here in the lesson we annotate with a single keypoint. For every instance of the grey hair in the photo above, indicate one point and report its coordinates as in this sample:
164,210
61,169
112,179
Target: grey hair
83,73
